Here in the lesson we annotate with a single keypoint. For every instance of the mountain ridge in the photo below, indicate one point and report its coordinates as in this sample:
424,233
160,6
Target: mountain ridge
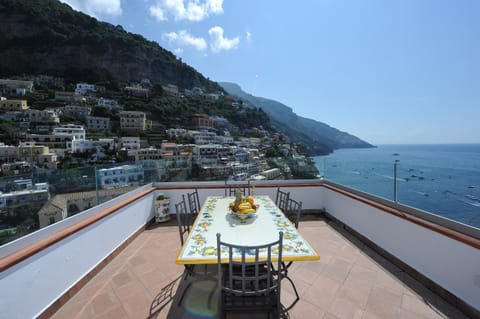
318,137
49,37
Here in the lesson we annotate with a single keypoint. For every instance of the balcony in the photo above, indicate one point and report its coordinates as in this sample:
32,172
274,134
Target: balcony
378,260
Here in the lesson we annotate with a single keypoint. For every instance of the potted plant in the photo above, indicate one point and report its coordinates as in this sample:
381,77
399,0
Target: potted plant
162,203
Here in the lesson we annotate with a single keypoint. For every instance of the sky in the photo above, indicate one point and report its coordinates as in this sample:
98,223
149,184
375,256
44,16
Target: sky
389,72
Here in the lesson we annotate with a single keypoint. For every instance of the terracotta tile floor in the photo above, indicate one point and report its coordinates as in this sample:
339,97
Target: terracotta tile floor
349,281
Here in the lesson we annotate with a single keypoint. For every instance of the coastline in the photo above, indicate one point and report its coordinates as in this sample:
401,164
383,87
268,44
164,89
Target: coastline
443,179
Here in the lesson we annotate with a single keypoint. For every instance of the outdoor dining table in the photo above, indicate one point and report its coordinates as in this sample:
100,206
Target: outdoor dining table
263,228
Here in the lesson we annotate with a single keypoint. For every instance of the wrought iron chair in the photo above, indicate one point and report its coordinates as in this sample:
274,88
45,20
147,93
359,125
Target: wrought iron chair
293,211
252,286
281,199
230,189
185,220
194,202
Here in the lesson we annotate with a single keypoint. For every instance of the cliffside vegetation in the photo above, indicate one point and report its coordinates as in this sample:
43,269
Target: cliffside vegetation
48,37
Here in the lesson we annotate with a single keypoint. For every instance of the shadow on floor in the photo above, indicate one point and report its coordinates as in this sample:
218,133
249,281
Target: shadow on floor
186,297
164,297
193,297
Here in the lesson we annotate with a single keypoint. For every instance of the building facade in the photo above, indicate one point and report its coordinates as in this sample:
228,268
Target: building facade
77,111
133,121
15,87
84,88
202,121
75,131
120,176
69,97
42,116
13,105
98,123
8,153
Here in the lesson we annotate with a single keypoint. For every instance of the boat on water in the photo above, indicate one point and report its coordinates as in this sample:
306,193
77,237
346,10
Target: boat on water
471,197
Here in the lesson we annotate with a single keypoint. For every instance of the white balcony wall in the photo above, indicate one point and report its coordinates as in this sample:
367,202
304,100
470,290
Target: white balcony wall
453,265
29,287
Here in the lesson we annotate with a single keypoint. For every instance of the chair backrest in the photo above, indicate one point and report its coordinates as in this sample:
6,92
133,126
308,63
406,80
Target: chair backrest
282,199
293,211
193,202
254,278
185,219
231,188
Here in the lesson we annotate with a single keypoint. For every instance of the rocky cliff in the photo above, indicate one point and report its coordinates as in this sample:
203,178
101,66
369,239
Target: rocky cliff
318,138
48,37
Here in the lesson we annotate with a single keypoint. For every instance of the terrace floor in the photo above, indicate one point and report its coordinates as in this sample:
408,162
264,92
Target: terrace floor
349,281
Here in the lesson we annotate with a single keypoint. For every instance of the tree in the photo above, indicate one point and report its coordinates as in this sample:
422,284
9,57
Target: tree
9,133
271,152
156,90
101,111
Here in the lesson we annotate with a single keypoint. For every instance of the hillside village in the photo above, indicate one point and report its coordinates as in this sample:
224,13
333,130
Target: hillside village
107,147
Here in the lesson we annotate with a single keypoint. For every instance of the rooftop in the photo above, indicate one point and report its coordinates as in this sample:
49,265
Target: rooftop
378,259
349,281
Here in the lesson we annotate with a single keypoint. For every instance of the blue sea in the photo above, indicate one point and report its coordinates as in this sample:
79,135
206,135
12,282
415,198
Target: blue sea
440,179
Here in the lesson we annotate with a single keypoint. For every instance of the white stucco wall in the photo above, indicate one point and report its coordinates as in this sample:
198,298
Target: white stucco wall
28,288
453,265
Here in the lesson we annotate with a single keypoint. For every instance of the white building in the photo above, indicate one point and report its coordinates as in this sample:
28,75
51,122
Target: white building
75,131
81,146
42,116
170,89
250,141
8,152
77,111
242,156
61,138
206,152
150,153
61,206
134,121
273,173
213,96
48,160
69,97
203,137
83,88
131,144
55,143
17,87
223,139
109,104
27,194
176,132
120,176
15,116
98,123
137,91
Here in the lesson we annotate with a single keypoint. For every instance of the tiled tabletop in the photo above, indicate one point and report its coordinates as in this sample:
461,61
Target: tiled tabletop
263,228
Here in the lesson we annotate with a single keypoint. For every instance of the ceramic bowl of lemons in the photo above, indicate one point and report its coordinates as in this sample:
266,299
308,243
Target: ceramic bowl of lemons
244,216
